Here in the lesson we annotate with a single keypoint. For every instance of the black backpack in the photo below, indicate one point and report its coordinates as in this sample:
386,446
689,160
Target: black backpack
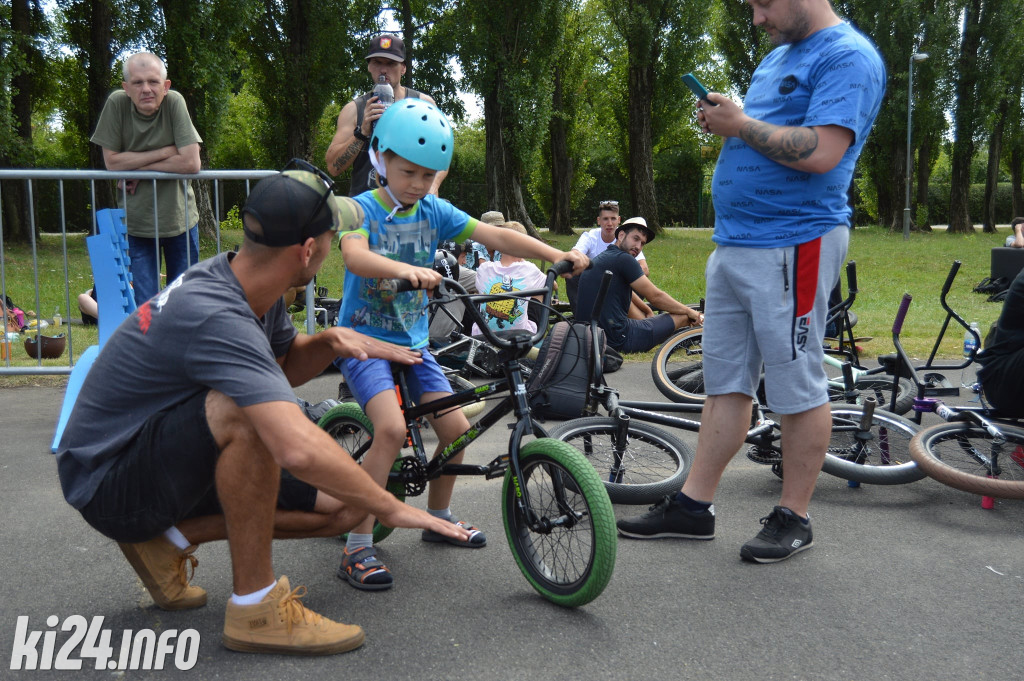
559,383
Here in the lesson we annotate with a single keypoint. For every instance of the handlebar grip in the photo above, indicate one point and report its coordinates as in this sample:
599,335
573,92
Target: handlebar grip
396,285
851,276
901,314
562,267
950,277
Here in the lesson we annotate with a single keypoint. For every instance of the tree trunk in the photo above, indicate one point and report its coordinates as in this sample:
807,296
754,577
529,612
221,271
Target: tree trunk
891,197
965,121
504,190
641,155
561,164
924,171
1016,172
409,36
17,226
98,70
995,144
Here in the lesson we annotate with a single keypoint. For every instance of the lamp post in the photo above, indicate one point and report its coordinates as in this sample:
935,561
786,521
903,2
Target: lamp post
917,56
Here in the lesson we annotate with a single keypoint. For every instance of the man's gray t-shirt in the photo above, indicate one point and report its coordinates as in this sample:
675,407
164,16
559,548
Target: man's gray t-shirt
198,334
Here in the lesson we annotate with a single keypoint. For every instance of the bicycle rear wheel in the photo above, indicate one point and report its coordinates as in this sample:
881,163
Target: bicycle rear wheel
877,456
351,428
570,557
678,367
654,463
879,387
965,456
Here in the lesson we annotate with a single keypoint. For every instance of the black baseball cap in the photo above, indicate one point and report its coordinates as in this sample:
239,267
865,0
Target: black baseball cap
296,205
387,46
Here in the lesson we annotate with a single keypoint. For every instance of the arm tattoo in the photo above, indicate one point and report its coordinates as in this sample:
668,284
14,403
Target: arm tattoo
790,144
347,156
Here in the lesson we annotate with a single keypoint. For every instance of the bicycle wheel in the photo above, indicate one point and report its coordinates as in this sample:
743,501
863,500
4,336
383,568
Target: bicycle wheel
879,387
350,428
678,367
961,455
880,456
569,559
460,383
654,464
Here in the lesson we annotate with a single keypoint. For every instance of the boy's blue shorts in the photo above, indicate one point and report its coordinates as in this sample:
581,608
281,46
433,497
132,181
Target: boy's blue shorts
369,377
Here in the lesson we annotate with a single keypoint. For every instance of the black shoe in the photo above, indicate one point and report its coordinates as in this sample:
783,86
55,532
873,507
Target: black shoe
668,518
782,536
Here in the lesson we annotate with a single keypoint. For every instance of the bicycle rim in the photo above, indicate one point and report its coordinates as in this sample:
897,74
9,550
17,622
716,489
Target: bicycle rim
880,456
879,387
571,561
960,455
654,463
678,367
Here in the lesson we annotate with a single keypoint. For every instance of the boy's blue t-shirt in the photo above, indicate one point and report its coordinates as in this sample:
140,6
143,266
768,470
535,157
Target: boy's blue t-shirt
833,77
410,237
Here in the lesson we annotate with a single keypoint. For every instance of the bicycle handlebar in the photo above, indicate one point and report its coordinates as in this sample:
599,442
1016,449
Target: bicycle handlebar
901,314
851,276
505,343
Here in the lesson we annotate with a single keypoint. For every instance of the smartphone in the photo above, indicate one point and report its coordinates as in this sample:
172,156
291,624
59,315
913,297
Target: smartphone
696,87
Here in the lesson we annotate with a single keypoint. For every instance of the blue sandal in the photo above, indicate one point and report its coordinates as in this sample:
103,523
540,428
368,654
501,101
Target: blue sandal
477,539
363,570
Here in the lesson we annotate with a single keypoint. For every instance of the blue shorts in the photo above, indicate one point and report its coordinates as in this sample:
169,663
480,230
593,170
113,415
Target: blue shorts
369,377
767,306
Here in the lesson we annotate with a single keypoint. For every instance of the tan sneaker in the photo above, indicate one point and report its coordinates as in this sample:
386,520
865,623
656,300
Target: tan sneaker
161,567
281,624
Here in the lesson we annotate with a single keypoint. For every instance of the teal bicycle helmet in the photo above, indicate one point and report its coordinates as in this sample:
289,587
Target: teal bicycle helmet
417,131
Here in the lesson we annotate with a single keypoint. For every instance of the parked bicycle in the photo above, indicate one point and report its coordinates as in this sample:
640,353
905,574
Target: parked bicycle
973,449
558,518
641,463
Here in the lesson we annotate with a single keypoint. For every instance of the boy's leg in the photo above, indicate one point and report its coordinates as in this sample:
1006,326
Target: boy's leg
448,426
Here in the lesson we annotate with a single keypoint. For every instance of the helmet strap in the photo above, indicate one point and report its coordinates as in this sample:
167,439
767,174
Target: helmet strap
378,165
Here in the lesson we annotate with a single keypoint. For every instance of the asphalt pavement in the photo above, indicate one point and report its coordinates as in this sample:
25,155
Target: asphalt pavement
906,582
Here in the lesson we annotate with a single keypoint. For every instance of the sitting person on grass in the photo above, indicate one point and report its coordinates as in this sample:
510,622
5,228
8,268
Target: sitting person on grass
626,334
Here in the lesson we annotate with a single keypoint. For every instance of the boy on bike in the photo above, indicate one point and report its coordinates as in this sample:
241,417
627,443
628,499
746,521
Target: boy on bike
410,145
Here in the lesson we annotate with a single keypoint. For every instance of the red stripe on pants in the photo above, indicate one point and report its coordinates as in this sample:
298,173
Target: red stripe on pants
808,256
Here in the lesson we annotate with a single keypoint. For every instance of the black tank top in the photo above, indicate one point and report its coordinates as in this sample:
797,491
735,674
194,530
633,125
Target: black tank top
364,177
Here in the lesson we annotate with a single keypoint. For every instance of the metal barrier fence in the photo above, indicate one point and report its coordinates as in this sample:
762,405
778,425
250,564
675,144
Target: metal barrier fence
37,182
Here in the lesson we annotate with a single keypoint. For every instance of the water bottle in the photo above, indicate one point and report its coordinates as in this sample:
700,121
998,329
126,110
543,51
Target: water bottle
970,342
57,318
384,93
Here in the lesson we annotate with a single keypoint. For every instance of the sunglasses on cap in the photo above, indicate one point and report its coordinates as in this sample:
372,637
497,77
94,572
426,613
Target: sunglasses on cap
614,205
329,183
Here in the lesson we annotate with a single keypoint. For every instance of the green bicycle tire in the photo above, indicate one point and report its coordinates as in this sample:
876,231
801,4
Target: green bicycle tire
570,565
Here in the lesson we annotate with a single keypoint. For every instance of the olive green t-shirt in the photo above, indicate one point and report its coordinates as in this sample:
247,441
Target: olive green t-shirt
122,128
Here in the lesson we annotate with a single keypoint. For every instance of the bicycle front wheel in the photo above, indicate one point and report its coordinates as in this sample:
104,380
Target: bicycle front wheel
351,428
653,464
678,367
568,552
965,456
879,455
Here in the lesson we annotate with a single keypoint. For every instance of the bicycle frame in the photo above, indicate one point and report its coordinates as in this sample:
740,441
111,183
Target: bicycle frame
416,471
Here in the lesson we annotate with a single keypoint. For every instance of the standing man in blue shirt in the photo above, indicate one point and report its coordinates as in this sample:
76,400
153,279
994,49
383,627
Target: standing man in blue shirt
781,229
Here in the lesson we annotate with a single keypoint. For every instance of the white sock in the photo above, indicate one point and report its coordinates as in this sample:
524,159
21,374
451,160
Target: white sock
253,598
358,541
443,514
175,536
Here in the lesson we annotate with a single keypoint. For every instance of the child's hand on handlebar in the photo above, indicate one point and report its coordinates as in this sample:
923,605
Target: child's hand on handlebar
421,277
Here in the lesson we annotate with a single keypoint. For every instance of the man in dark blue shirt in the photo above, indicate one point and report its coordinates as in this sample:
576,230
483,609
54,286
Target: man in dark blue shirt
625,334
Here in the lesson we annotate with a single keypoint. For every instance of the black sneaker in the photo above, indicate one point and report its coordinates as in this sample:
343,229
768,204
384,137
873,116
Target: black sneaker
668,518
782,536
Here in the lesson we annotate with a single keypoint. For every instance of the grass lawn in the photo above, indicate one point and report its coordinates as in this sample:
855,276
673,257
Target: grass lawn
887,267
